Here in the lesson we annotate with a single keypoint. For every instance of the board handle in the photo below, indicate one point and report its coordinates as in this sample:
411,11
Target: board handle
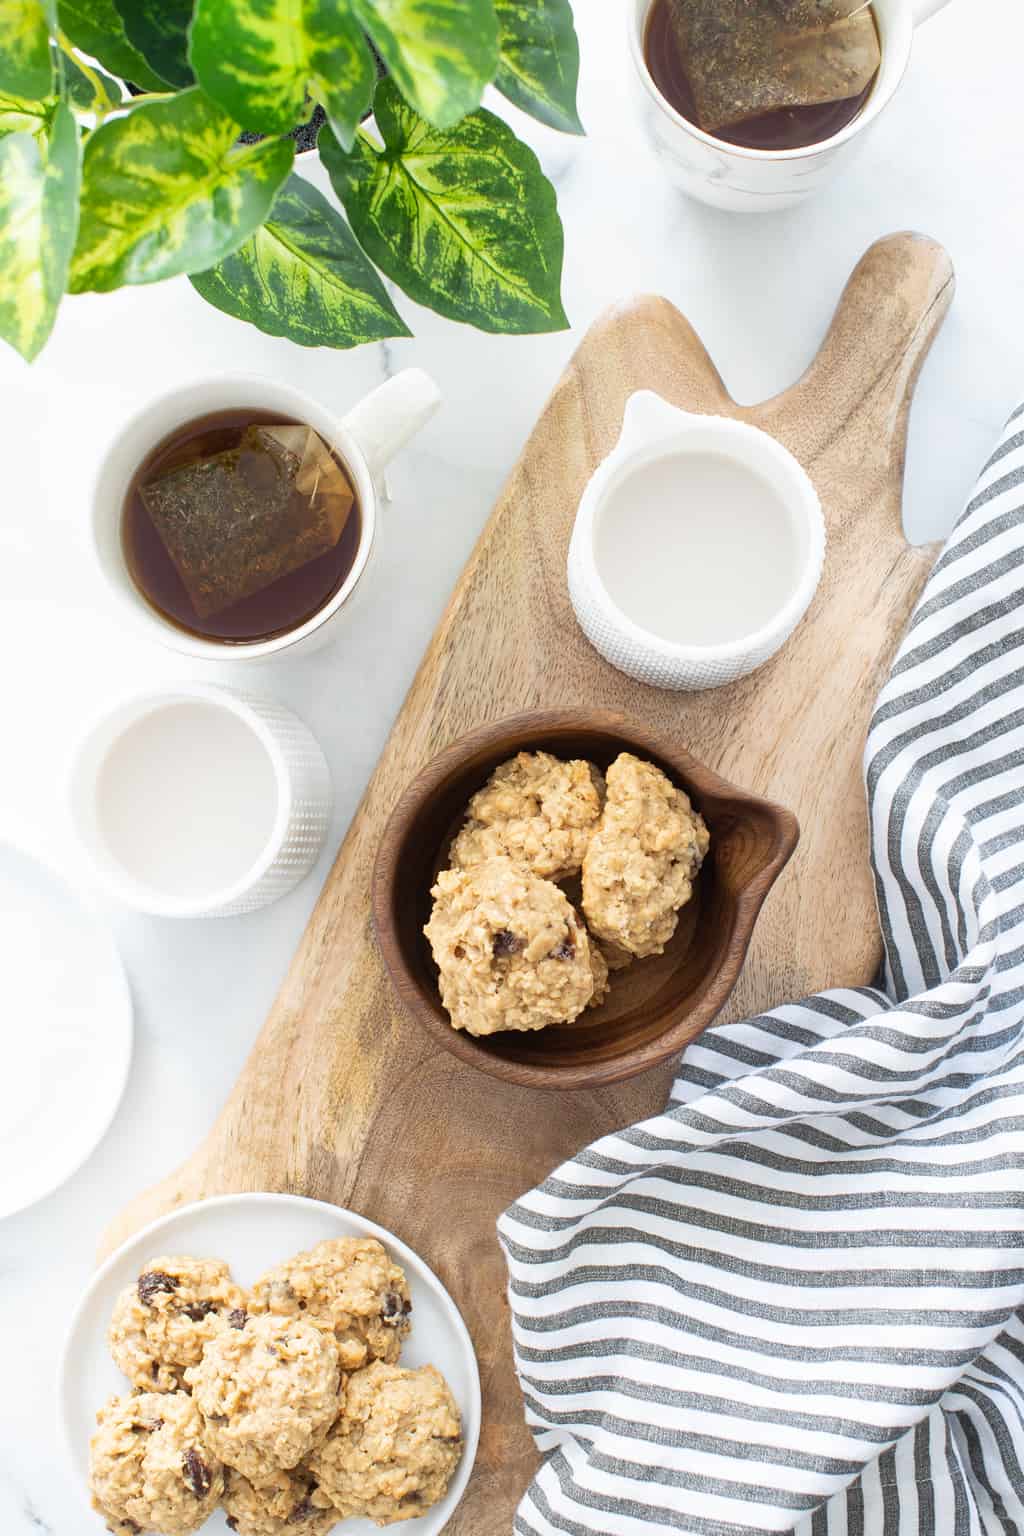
858,389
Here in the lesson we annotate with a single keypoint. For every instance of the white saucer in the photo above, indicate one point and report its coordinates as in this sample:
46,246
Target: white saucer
65,1029
251,1233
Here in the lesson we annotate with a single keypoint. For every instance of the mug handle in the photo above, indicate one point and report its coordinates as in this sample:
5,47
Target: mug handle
921,10
390,415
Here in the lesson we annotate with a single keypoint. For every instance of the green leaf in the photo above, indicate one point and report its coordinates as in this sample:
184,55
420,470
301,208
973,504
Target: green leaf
303,276
96,28
39,175
540,60
20,116
25,66
166,190
440,53
257,58
464,221
159,30
78,87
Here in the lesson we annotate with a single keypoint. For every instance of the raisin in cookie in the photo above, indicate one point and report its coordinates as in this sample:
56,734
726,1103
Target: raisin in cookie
162,1323
642,859
349,1286
289,1504
268,1393
536,810
151,1467
615,959
511,950
396,1444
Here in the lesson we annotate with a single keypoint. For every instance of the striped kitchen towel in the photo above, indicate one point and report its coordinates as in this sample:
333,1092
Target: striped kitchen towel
794,1301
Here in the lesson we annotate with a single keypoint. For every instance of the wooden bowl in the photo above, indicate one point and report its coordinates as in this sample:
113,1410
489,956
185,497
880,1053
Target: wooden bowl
656,1006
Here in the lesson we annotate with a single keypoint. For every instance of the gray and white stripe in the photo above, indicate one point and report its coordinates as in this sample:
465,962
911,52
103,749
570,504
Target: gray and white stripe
794,1301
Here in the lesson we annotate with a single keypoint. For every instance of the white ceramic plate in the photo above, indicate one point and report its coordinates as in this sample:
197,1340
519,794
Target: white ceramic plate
65,1029
252,1232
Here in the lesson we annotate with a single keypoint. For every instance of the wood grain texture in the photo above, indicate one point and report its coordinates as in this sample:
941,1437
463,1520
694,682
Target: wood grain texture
343,1097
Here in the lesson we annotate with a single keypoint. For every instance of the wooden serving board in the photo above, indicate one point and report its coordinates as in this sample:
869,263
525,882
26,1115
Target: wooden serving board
343,1098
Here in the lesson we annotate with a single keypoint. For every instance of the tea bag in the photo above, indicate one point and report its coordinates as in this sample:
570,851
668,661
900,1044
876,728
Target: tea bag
236,521
747,57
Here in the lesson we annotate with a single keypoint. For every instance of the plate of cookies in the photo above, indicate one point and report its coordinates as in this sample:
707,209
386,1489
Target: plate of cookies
272,1366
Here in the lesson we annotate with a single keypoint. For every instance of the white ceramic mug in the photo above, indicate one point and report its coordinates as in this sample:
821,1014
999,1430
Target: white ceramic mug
196,800
657,434
764,180
366,439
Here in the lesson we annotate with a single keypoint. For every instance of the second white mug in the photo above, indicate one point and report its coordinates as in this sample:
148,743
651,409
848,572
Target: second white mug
196,800
744,180
365,439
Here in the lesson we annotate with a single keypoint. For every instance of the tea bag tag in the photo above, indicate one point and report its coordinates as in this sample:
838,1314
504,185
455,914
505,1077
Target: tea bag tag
319,479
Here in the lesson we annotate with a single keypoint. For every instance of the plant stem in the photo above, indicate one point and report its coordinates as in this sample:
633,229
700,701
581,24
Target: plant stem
103,102
146,97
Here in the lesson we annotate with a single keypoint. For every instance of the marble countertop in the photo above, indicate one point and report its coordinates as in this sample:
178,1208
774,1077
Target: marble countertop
947,158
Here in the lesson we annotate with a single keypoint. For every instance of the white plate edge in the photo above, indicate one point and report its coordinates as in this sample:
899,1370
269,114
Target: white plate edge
124,1027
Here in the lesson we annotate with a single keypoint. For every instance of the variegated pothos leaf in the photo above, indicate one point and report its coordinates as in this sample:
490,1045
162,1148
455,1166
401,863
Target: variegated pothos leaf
464,221
159,30
25,66
539,60
302,275
95,26
258,58
440,53
165,189
20,116
39,174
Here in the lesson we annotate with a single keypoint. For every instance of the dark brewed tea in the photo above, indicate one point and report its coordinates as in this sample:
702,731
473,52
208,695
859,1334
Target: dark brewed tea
248,474
784,128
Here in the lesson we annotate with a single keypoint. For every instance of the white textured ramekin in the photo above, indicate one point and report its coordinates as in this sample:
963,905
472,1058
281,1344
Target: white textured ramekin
302,815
